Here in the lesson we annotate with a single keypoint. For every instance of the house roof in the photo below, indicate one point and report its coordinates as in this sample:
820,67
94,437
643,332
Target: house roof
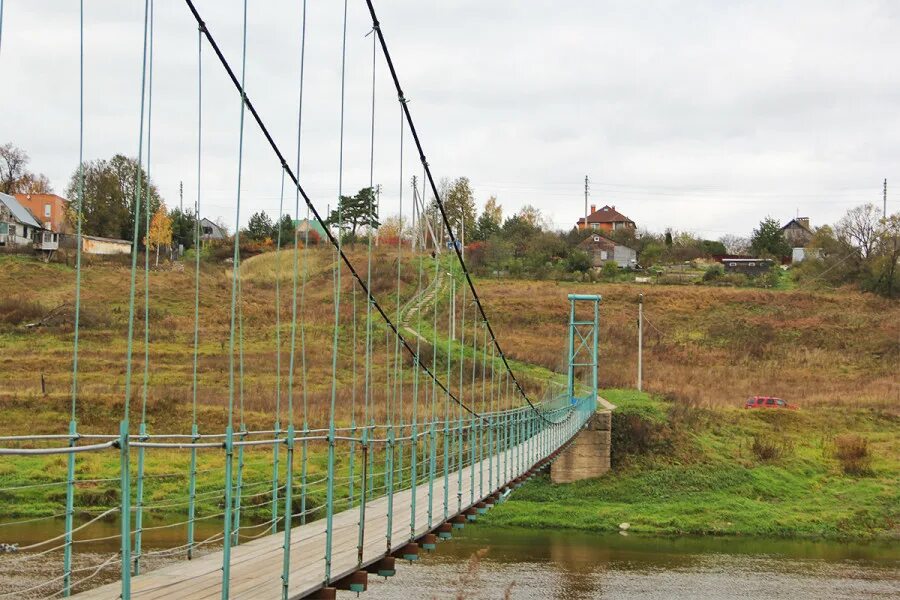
40,197
19,212
598,241
799,222
606,214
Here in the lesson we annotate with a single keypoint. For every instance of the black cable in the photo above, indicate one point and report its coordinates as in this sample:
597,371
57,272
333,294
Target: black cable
262,127
403,102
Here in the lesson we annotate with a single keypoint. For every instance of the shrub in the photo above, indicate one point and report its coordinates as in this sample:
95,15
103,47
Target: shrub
852,451
769,448
610,270
713,272
16,310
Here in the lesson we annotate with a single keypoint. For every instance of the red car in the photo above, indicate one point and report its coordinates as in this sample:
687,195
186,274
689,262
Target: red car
768,402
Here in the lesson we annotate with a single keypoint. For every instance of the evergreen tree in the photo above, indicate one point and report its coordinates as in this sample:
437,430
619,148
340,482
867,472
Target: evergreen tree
767,240
356,211
259,228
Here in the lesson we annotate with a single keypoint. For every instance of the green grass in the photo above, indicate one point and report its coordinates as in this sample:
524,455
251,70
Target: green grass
698,475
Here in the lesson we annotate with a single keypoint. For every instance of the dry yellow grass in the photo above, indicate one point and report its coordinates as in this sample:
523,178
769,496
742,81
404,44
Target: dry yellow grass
717,346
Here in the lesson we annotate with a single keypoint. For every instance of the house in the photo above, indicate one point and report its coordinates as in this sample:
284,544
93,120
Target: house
605,219
797,232
311,225
211,231
603,250
748,266
18,227
50,209
92,244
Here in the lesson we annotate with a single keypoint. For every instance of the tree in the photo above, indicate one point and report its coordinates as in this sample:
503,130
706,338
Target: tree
283,231
459,204
15,178
109,197
860,228
767,239
735,244
160,233
259,228
356,211
183,224
533,216
489,222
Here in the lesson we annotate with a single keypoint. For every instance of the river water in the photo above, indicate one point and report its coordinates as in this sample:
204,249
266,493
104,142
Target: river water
483,563
525,564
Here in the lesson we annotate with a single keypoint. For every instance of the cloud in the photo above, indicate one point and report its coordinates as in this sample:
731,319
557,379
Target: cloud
702,116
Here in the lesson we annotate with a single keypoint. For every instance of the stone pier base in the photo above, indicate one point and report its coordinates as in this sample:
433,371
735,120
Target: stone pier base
588,455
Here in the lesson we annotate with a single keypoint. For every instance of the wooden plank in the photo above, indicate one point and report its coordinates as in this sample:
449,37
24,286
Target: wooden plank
256,566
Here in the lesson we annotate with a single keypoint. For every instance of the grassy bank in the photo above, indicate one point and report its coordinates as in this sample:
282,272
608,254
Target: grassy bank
686,470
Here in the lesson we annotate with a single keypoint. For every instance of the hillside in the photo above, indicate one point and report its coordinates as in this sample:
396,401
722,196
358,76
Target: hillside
683,470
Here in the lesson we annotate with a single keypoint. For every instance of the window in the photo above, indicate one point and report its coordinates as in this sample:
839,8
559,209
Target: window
4,228
47,210
732,264
752,264
595,225
596,238
770,401
603,255
781,403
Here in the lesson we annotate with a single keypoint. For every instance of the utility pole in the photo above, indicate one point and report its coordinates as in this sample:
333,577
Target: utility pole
884,200
640,341
586,190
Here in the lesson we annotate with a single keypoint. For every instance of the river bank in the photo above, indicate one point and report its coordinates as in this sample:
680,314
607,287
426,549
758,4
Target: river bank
683,470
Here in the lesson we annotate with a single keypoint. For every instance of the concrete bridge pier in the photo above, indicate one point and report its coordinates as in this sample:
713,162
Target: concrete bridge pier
588,455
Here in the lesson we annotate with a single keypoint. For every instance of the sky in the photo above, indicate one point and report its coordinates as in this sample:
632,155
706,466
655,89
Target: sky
701,116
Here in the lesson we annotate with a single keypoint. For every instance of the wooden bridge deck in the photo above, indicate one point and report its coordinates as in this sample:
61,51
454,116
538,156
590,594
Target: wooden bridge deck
256,566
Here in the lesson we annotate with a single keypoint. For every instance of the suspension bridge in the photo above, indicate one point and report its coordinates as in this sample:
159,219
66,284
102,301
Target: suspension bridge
423,424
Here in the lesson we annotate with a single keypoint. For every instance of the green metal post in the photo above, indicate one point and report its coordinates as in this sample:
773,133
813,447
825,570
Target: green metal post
192,492
361,527
125,508
226,533
70,511
389,467
239,488
275,453
288,500
414,454
139,503
303,472
431,466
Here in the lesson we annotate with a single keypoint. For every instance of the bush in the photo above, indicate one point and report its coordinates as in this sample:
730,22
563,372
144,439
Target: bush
17,310
769,448
852,451
610,270
713,272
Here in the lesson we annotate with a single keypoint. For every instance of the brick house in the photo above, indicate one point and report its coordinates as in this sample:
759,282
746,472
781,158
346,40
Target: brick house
49,209
605,219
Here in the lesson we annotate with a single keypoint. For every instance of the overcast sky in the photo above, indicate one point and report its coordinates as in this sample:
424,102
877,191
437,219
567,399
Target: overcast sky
703,116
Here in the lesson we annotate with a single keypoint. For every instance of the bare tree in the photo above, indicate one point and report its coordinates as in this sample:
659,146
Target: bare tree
13,161
15,178
735,244
860,228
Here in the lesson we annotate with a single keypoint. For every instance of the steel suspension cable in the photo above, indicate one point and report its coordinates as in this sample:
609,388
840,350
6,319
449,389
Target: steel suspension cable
412,128
236,275
192,485
331,238
329,494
